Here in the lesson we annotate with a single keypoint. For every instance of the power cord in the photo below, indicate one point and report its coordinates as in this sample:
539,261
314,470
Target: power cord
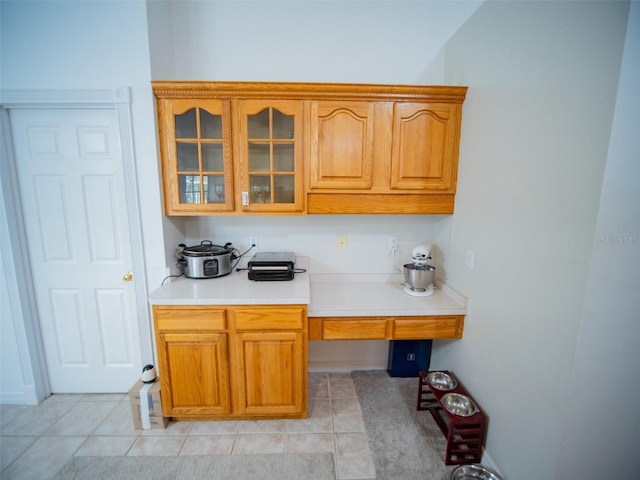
240,255
171,276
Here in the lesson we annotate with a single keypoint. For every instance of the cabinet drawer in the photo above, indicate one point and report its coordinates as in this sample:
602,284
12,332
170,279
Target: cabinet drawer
449,326
189,319
344,329
269,318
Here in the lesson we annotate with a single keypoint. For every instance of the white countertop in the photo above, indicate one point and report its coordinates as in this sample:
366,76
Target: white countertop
328,295
334,295
235,289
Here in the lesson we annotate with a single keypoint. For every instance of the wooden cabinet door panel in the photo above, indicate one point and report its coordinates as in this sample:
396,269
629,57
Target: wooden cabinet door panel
271,373
425,146
195,146
269,318
428,327
345,329
269,149
341,145
189,319
195,369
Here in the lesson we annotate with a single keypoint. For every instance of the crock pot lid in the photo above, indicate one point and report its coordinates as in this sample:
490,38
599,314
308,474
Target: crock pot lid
205,248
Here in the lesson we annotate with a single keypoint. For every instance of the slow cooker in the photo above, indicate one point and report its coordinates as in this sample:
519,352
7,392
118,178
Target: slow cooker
205,260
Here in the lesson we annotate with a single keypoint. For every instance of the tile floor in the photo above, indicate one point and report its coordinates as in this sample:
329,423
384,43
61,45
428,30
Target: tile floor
36,441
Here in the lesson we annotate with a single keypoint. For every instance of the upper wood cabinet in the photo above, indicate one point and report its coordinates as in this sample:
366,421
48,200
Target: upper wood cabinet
385,154
269,155
424,150
195,147
295,148
225,152
342,139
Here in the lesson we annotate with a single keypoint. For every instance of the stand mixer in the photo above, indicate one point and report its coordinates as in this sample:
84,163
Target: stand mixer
418,276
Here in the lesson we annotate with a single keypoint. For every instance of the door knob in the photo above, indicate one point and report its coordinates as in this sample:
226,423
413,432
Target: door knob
127,277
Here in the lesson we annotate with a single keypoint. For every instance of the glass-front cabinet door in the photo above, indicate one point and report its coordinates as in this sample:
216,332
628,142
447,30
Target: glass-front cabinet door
270,154
197,162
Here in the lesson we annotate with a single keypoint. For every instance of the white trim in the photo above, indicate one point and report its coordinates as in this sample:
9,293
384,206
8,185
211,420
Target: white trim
46,98
135,232
27,396
17,268
120,99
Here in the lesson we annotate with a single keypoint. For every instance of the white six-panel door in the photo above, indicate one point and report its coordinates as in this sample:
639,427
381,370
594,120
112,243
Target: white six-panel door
69,165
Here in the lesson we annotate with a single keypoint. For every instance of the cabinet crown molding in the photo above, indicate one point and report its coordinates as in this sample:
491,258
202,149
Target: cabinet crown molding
309,91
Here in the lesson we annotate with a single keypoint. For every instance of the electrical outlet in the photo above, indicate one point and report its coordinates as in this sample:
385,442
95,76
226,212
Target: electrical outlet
254,241
393,245
342,242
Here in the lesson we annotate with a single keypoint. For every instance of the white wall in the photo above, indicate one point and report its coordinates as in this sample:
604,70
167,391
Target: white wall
10,376
70,45
18,386
605,391
535,135
316,236
23,378
320,41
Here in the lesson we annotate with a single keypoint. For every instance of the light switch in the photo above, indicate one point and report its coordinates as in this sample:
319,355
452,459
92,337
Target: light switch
471,257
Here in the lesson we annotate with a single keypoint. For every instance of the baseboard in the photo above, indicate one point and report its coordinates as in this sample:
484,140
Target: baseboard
344,366
12,398
27,397
487,461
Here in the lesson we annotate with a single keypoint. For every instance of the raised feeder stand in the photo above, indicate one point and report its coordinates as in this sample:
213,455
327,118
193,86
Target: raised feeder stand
458,415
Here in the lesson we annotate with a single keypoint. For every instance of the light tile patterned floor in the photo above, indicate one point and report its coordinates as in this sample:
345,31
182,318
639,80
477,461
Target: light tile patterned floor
36,441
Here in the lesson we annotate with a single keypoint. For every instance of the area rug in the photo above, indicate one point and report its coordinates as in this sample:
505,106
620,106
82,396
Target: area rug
218,467
406,444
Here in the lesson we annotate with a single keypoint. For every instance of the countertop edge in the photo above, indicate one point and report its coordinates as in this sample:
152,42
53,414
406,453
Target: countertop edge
383,313
186,293
229,301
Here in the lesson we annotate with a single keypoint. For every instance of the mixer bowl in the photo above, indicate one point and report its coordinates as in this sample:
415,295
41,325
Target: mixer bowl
419,277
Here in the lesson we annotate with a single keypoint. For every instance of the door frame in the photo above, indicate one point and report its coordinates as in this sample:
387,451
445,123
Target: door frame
32,355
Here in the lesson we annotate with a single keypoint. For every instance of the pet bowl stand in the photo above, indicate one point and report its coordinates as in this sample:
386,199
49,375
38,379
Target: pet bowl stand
465,435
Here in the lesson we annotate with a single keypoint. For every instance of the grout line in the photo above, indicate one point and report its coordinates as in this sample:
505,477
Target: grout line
188,432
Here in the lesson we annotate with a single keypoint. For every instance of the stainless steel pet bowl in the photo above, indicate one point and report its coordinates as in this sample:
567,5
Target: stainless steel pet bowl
458,404
441,381
474,472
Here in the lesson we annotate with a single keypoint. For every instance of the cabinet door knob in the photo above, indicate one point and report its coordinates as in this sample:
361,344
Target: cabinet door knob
127,277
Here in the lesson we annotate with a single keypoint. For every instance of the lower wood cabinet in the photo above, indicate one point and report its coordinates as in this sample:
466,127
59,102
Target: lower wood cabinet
235,362
270,345
270,373
194,373
251,361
